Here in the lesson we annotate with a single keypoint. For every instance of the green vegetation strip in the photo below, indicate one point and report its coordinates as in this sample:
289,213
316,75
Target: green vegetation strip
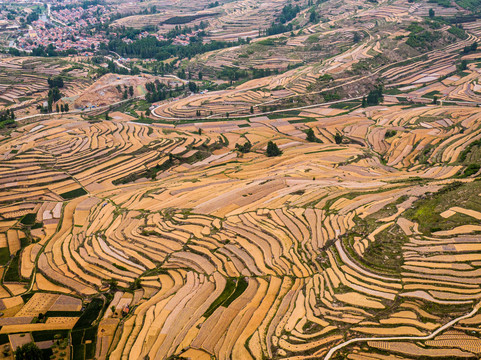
73,194
231,292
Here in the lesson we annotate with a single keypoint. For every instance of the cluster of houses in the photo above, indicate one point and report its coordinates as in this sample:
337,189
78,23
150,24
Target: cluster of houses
71,32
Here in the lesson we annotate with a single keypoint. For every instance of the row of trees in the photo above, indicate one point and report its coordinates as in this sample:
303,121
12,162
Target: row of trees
151,48
234,73
62,108
179,30
271,151
157,91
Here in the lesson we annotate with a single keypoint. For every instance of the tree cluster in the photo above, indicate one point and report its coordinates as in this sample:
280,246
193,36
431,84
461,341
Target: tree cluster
470,48
273,149
28,351
288,13
244,148
157,91
7,117
151,48
374,97
56,81
311,137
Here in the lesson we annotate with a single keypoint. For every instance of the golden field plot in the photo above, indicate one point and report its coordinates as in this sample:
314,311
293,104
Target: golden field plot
242,255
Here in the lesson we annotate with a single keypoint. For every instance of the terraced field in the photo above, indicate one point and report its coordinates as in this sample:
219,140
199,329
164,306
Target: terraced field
24,81
131,230
197,250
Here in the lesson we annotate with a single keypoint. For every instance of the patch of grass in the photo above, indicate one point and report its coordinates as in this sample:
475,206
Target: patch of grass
345,105
267,42
312,39
302,121
392,91
77,337
4,255
29,219
470,170
385,254
284,114
120,267
321,151
12,274
63,313
49,334
226,293
90,314
37,225
458,32
73,194
78,352
471,153
427,211
240,288
432,94
90,350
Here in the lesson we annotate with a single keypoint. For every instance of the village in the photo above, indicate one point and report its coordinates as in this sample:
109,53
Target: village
68,27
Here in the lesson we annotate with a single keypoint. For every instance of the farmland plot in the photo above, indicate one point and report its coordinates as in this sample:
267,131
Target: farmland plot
246,256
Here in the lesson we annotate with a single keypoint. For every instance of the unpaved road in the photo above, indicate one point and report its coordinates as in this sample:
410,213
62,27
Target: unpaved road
410,338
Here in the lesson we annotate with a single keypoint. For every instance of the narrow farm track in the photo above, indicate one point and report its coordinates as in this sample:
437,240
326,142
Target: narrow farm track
409,338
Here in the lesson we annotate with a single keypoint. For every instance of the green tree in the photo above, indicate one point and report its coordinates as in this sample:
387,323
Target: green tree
65,107
375,96
192,86
273,149
56,81
311,136
113,285
356,37
54,94
245,148
431,13
338,138
28,351
252,110
131,90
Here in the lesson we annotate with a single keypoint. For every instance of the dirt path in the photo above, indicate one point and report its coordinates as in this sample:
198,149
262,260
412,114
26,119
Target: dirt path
412,338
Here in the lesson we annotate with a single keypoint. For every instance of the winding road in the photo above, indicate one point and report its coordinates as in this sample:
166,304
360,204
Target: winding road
410,338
